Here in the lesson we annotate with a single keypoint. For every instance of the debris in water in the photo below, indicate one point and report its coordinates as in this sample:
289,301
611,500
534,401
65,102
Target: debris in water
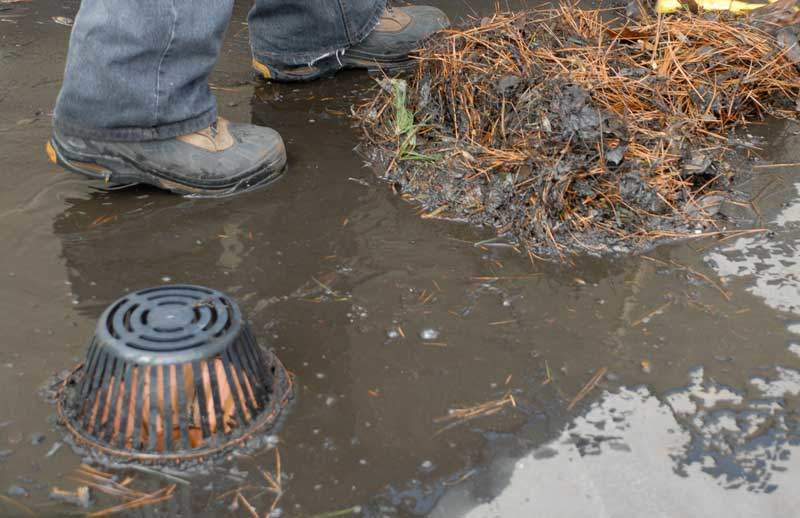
698,275
356,509
458,416
63,20
588,387
18,505
81,497
94,479
250,509
659,310
53,449
106,483
429,334
16,491
576,133
161,472
155,497
274,481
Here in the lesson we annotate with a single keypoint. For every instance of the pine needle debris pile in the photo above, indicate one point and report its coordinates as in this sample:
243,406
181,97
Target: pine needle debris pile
573,132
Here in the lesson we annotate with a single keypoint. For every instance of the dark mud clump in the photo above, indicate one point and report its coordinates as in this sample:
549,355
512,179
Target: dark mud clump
571,133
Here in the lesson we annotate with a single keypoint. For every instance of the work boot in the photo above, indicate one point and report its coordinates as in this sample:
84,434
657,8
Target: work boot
221,160
400,31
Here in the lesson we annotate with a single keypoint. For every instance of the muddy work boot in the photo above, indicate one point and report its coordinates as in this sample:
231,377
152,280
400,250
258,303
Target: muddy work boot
400,31
221,160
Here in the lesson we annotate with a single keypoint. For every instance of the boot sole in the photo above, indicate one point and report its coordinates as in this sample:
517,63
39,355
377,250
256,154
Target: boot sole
375,66
114,171
351,63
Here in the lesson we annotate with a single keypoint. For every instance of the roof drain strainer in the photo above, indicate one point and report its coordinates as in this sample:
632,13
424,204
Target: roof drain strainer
173,374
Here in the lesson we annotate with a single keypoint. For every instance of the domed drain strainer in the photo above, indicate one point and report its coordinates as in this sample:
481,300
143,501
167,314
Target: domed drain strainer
173,373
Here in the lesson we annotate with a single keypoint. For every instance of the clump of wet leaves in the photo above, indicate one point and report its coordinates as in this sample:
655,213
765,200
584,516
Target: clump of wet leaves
576,133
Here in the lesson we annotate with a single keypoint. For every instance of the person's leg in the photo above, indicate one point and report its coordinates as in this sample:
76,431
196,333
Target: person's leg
138,70
135,106
288,32
296,41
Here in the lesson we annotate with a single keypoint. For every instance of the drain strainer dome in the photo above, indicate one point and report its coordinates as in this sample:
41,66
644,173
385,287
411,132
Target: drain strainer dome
172,373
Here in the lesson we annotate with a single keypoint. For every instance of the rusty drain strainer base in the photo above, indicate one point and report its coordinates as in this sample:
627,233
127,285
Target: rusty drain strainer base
172,374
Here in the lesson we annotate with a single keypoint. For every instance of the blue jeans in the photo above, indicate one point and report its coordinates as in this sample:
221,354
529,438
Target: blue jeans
138,69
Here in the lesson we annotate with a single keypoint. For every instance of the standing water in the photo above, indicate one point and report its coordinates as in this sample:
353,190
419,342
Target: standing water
433,376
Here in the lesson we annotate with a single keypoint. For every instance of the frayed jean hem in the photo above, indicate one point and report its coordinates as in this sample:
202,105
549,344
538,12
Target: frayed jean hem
309,58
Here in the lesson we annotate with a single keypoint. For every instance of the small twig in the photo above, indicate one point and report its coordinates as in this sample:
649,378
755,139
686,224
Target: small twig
461,415
772,166
234,490
22,507
153,498
278,467
93,471
149,471
246,504
692,272
650,315
275,502
336,514
588,387
502,322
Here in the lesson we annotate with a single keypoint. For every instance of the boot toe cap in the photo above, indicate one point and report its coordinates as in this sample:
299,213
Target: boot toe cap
260,144
429,19
394,45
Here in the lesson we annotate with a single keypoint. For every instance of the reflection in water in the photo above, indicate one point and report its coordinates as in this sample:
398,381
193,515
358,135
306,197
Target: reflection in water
741,440
111,241
772,263
621,459
768,262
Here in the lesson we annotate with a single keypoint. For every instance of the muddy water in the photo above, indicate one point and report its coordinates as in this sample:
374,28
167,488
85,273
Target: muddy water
697,411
